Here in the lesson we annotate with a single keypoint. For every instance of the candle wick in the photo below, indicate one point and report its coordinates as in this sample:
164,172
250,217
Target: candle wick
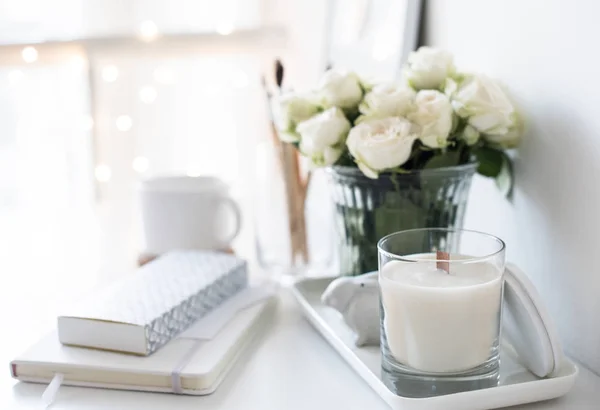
443,261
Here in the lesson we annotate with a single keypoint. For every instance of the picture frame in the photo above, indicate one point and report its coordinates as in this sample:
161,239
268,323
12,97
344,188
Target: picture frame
372,37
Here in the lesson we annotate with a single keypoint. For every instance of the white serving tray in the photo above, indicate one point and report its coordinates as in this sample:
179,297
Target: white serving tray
517,384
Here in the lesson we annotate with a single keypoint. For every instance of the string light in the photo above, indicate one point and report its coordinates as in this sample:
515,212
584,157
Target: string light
148,30
110,73
29,54
164,75
103,173
79,62
140,164
225,28
124,123
148,94
15,76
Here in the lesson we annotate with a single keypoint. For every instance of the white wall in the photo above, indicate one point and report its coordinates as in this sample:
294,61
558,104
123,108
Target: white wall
546,51
305,54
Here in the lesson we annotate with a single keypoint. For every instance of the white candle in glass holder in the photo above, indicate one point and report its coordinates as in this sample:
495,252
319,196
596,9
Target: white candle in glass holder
440,322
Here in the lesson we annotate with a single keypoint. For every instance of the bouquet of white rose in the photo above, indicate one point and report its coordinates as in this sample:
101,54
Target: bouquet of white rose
435,117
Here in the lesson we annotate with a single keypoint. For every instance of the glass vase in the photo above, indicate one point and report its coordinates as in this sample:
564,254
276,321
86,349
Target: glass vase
368,209
274,253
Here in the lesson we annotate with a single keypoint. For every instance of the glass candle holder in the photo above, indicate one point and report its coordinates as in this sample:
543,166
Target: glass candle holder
441,307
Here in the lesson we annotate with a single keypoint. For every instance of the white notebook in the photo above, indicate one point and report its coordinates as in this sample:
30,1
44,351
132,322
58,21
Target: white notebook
95,368
141,312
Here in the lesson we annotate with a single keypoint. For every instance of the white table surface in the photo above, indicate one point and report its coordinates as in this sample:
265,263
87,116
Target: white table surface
50,255
292,367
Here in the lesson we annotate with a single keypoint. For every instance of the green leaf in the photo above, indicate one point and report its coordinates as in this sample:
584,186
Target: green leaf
495,163
346,160
490,161
446,159
505,178
399,170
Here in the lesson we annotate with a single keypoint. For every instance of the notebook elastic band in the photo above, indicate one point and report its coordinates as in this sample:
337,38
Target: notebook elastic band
208,327
176,373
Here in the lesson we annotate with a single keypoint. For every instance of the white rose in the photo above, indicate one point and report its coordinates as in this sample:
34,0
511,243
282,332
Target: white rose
322,137
387,100
289,110
428,68
487,108
340,89
379,145
470,135
433,115
512,137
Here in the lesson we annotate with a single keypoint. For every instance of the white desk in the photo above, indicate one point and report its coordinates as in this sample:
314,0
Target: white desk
48,256
291,367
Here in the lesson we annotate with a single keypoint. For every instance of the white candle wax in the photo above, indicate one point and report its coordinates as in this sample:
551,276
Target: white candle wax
440,322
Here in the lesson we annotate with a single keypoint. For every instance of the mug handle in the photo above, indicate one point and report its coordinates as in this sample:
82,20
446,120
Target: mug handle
237,213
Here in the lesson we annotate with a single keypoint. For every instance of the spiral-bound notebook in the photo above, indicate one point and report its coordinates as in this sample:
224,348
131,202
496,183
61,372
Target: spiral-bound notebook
205,366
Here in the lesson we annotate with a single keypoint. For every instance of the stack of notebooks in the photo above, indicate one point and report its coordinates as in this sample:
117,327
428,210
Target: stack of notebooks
177,325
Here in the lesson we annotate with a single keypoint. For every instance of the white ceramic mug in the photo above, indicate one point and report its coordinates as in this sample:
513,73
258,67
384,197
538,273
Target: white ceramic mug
187,213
